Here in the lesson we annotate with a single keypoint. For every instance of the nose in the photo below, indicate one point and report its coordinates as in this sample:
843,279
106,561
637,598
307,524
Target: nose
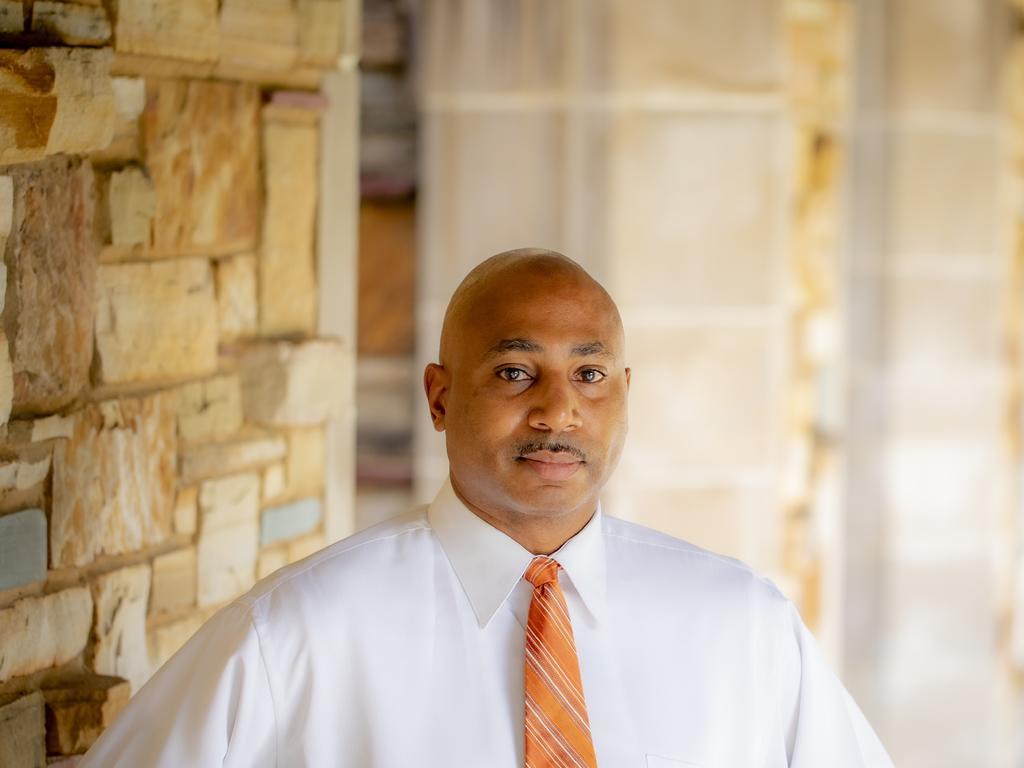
555,409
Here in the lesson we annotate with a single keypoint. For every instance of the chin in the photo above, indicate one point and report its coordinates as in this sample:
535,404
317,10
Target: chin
548,500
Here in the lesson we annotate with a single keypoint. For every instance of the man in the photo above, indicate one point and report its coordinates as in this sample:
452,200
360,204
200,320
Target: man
511,623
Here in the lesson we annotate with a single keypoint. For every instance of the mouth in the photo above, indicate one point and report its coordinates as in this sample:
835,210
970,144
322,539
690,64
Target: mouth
551,465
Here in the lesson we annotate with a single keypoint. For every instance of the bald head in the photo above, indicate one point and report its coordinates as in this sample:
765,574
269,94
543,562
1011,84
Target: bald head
534,275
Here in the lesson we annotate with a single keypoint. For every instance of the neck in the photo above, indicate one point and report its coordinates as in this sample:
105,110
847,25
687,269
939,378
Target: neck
538,534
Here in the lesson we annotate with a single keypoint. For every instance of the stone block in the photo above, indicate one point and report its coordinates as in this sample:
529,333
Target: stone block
319,30
236,297
290,520
186,510
79,709
113,480
23,732
274,482
688,45
250,449
292,384
6,379
41,632
203,155
132,203
229,501
723,247
942,323
720,386
120,645
462,56
155,320
227,562
166,639
304,546
210,409
54,100
305,467
259,35
129,101
53,427
459,148
30,469
270,560
22,548
288,296
176,29
70,23
926,164
944,56
12,17
174,581
227,548
51,278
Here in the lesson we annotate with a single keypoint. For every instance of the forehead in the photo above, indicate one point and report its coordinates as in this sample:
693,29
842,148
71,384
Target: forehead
555,317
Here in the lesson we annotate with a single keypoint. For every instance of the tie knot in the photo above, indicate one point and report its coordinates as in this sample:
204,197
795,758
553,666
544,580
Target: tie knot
542,570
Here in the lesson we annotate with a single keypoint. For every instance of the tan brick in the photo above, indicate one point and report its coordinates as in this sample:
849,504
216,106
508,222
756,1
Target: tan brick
164,640
287,272
70,23
292,384
174,581
120,647
186,508
54,100
113,481
177,29
41,632
236,296
51,262
210,409
12,17
202,153
250,449
320,27
304,546
306,459
79,709
22,732
155,320
270,560
132,204
228,539
273,482
259,35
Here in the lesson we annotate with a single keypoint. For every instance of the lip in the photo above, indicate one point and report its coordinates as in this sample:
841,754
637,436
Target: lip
552,466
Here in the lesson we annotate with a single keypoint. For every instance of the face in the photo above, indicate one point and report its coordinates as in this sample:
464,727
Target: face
533,396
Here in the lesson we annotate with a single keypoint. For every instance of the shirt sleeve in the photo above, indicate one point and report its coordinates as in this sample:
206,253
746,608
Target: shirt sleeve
209,705
824,726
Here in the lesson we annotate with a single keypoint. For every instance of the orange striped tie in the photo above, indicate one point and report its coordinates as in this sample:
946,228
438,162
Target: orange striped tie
557,728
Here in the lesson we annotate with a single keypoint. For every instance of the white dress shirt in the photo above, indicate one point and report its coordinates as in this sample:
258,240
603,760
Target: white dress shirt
403,646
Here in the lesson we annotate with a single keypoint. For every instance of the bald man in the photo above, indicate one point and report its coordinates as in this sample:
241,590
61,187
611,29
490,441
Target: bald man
512,622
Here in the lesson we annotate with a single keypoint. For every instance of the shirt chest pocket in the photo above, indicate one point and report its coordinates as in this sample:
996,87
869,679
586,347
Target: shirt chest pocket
656,761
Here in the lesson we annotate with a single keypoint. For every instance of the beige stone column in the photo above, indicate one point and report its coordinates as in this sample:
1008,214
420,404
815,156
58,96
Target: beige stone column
928,472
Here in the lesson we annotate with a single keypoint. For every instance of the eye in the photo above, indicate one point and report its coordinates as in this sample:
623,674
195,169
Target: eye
592,375
513,374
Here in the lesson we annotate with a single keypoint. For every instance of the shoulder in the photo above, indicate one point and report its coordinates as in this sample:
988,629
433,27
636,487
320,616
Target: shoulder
376,550
674,567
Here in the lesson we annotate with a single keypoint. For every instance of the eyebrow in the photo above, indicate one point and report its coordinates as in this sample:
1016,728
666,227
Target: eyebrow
586,349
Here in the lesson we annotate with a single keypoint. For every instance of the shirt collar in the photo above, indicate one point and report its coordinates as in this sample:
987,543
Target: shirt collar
489,563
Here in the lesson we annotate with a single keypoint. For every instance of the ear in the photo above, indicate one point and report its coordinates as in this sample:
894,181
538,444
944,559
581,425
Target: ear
628,372
435,384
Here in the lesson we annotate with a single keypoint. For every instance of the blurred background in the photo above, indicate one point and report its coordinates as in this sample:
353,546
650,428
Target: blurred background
230,229
809,213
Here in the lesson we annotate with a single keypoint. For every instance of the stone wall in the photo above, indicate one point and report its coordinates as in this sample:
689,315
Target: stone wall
169,387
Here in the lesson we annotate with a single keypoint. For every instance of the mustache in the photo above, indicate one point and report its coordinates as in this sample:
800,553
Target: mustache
523,449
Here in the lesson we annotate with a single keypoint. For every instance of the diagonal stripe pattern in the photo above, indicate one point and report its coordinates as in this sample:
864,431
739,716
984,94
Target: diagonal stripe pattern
557,728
